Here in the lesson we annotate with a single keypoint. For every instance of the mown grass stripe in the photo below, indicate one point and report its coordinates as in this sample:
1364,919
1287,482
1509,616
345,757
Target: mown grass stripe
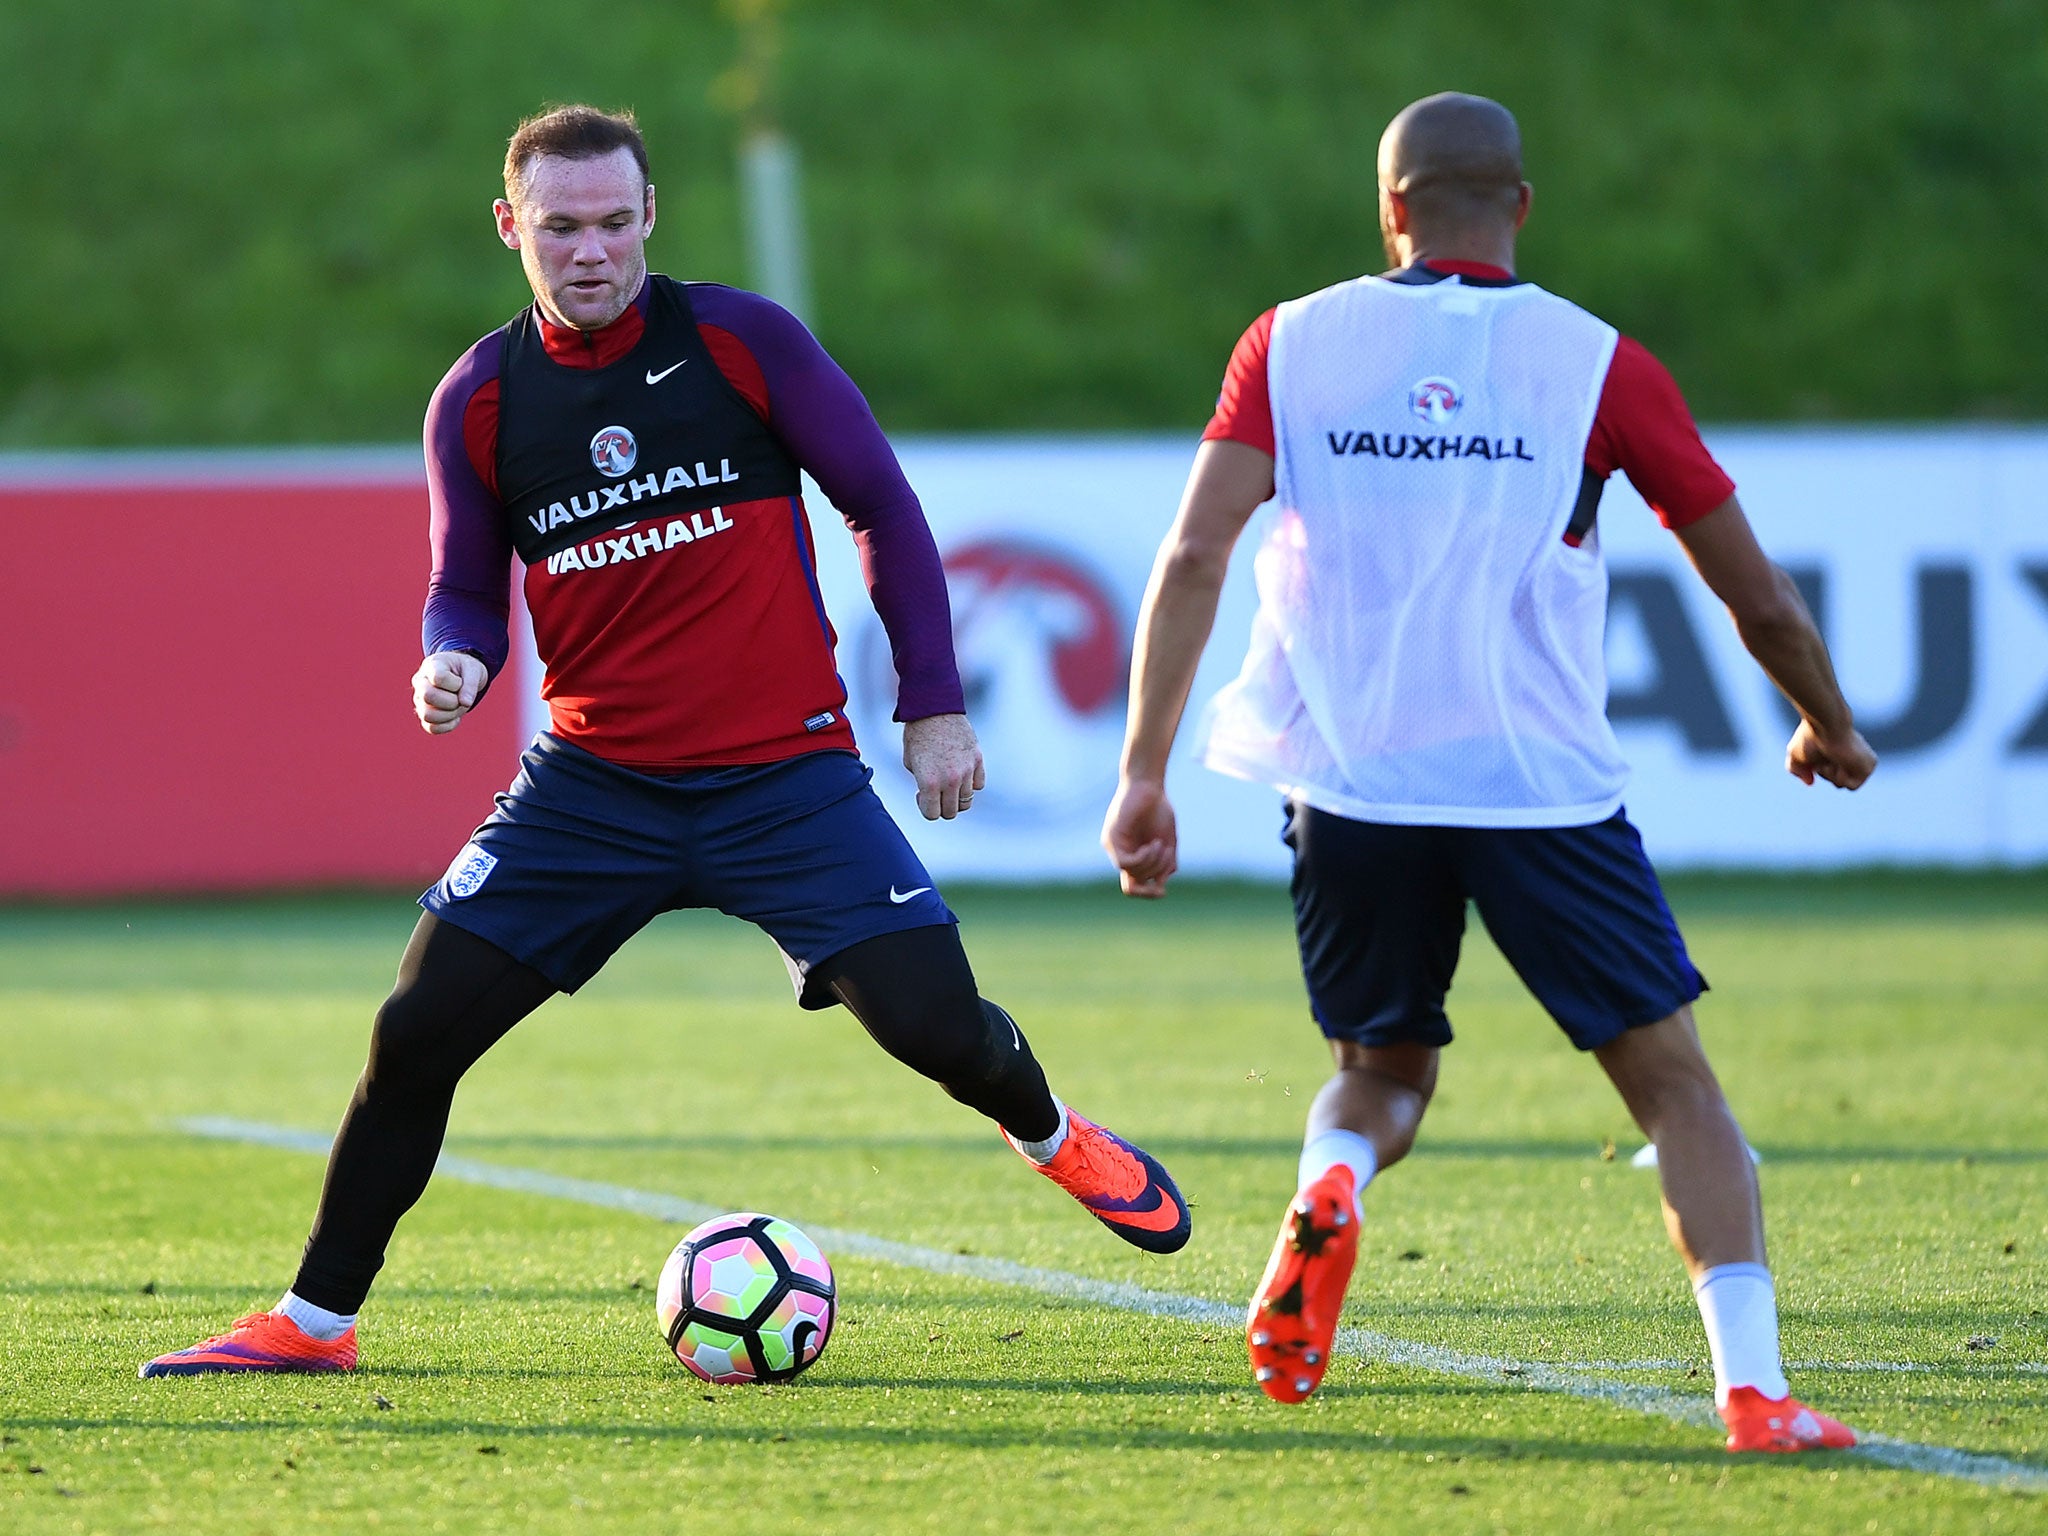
1906,1455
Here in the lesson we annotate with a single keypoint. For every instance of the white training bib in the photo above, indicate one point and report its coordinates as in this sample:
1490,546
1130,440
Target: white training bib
1428,649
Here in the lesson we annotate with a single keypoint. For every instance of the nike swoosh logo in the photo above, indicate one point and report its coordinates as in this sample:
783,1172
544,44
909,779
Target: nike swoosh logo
1162,1215
900,897
656,378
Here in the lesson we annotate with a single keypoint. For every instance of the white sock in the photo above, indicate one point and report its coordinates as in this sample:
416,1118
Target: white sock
314,1322
1740,1308
1043,1152
1330,1149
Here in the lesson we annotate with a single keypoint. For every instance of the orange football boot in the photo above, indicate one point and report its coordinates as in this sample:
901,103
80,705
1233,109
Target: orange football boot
1759,1423
1294,1312
1120,1185
262,1341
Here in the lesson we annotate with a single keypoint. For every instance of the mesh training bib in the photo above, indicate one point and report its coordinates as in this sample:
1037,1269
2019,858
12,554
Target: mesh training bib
1428,649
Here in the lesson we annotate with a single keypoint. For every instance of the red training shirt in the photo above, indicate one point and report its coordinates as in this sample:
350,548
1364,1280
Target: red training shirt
720,652
1641,427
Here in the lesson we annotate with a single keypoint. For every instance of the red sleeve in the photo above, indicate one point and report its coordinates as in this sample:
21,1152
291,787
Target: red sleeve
480,433
741,368
1643,429
1244,410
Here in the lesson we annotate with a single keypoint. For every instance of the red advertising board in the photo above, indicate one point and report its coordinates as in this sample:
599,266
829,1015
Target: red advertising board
205,680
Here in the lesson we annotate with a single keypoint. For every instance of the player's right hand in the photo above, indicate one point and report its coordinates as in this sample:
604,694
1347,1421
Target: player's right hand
1140,837
445,687
1844,761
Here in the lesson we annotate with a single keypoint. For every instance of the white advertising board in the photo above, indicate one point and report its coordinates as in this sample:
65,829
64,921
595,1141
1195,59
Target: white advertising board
1047,546
1924,551
1925,557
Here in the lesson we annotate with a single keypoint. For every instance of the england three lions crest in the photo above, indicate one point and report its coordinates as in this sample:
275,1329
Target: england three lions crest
466,876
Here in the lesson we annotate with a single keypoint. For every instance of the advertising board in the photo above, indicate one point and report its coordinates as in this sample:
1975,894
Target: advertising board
1924,554
204,663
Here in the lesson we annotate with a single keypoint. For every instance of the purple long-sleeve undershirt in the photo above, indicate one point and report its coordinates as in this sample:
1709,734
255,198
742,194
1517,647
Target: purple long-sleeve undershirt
820,417
469,589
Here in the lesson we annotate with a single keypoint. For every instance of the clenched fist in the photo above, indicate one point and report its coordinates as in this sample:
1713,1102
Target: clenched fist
444,688
1845,761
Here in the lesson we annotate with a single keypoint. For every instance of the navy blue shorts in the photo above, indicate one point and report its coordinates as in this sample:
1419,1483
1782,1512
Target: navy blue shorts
581,854
1380,911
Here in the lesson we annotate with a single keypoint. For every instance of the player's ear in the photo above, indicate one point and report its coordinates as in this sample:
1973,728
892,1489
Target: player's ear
1393,211
1522,205
647,213
508,223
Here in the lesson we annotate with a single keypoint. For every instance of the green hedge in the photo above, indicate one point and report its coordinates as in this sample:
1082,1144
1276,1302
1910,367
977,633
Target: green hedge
268,220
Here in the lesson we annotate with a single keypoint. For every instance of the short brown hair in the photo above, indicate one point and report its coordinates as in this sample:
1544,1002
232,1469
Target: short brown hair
574,132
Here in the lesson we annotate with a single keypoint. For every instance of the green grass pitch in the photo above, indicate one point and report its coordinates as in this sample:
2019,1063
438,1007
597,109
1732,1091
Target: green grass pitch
1882,1038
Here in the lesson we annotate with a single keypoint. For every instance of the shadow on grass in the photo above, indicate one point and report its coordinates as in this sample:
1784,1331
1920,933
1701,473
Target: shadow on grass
581,1370
244,1297
1180,1439
1586,1150
1286,1148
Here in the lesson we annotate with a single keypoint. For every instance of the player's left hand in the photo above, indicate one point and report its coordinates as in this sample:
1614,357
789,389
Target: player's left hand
1844,759
943,756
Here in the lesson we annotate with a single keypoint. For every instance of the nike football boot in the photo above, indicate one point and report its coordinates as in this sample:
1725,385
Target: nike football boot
1121,1186
1293,1317
1759,1423
262,1341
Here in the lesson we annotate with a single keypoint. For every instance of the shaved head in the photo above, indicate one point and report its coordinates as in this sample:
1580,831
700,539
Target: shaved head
1455,162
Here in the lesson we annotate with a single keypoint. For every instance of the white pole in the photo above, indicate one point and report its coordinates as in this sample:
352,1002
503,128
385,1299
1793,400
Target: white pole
772,205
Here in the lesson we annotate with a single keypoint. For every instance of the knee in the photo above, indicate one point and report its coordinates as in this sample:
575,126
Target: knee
405,1053
1407,1072
947,1034
954,1036
1663,1089
1668,1101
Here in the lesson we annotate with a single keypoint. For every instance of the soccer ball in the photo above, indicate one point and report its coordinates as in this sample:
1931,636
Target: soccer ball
746,1298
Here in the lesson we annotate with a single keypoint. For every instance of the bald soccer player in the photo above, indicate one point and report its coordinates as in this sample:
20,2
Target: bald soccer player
1426,688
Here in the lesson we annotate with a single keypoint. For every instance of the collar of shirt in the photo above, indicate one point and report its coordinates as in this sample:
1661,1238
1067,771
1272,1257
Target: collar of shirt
1450,267
602,347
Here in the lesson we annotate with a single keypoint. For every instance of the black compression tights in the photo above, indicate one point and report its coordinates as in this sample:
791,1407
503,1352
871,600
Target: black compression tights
458,994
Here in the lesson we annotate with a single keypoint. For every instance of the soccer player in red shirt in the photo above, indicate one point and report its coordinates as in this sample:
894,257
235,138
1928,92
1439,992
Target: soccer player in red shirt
637,443
1426,687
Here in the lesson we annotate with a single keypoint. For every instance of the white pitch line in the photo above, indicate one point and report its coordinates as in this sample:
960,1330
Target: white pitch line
1840,1367
1906,1455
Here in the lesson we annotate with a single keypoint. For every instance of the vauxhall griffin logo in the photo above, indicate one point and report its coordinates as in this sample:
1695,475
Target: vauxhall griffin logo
1040,640
1436,401
614,451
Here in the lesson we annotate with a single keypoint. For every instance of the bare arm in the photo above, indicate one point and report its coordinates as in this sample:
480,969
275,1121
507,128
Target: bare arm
1775,628
1225,487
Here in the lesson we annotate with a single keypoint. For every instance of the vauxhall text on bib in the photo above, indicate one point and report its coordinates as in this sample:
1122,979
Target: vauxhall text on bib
1428,648
660,431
